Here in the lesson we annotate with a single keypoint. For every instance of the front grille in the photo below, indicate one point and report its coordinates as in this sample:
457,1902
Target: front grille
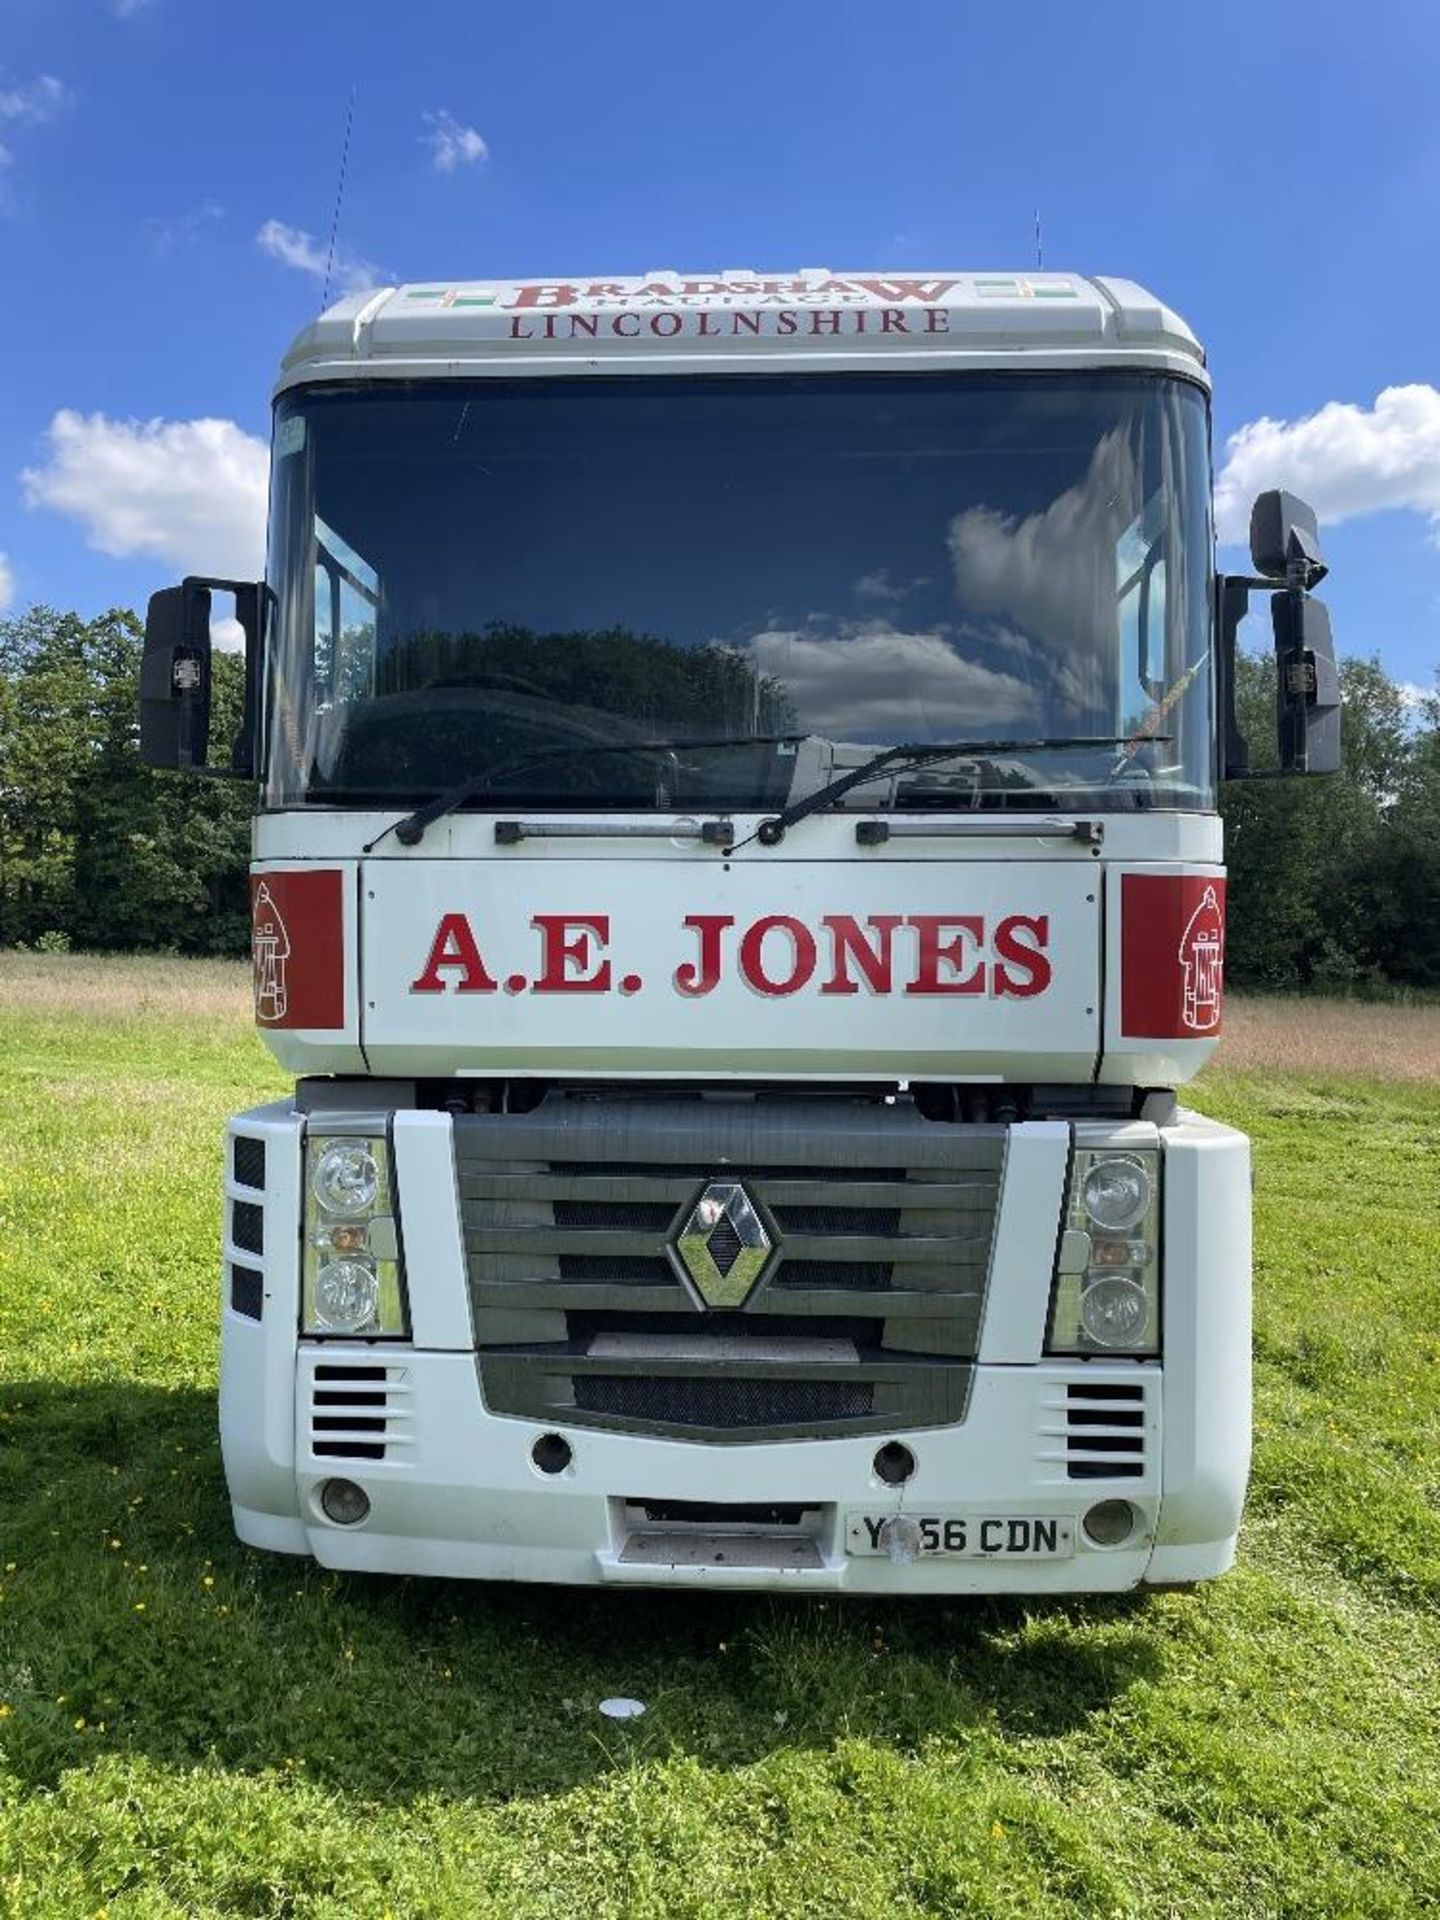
247,1161
1097,1429
881,1222
247,1225
727,1404
247,1292
359,1412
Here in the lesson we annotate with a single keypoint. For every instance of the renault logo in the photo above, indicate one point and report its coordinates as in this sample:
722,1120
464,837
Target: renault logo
723,1245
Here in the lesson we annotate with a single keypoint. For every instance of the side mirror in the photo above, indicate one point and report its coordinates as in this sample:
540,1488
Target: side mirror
175,677
1285,549
1285,540
1307,685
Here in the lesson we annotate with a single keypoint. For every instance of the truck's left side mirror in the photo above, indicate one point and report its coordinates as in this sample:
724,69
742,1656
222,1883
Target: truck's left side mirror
175,677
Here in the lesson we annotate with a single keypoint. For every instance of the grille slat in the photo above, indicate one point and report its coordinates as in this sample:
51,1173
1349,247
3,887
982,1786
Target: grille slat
358,1412
1104,1431
872,1211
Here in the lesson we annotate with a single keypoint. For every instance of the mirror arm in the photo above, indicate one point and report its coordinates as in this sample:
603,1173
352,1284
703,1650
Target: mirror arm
1232,602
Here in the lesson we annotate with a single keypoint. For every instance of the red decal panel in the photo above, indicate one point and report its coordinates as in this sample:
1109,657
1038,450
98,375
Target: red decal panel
297,945
1172,955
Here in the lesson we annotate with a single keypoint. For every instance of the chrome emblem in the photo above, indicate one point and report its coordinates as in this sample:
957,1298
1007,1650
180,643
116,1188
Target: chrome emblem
723,1245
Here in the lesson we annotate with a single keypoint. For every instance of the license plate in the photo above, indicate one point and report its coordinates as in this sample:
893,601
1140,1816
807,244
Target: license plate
967,1536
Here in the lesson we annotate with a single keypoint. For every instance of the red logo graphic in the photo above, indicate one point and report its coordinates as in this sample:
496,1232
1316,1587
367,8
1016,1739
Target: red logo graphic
1172,955
297,923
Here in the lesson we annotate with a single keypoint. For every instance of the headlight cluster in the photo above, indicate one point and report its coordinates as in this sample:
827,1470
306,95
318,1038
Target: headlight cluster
1107,1282
352,1250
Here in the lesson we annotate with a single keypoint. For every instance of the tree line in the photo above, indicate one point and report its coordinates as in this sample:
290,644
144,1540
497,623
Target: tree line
1334,883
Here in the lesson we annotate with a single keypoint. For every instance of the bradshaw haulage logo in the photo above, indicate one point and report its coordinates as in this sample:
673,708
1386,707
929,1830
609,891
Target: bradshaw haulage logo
270,949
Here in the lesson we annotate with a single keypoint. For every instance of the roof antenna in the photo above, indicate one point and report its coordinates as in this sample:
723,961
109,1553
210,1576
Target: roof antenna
1039,242
339,198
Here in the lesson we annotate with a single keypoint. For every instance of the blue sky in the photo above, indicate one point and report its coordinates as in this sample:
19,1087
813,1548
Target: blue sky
1272,172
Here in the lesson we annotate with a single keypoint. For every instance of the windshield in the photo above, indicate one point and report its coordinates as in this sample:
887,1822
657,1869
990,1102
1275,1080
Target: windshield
741,589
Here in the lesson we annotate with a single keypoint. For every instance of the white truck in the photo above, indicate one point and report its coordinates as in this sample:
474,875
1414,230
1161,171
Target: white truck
738,881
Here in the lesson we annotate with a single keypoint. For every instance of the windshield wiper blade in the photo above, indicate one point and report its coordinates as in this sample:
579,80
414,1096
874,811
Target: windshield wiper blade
411,830
772,831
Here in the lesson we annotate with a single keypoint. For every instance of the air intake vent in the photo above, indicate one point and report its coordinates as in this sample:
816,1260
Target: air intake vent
726,1404
359,1412
247,1292
247,1225
247,1162
1105,1431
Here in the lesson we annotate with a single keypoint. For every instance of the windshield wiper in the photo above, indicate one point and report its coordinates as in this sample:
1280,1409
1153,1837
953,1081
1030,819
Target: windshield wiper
772,831
411,830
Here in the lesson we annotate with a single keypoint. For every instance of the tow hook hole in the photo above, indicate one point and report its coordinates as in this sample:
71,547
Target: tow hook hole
551,1453
894,1463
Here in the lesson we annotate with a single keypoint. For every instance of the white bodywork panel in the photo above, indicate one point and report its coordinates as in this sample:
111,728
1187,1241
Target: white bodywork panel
458,1494
616,1005
673,322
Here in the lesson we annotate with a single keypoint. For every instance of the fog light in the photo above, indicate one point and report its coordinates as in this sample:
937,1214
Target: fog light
344,1503
1113,1312
1109,1522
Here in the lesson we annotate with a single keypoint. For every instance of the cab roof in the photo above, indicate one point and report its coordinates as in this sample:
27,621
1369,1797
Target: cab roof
739,321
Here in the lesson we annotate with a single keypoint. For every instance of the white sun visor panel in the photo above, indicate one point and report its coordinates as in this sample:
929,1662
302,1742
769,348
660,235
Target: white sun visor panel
666,317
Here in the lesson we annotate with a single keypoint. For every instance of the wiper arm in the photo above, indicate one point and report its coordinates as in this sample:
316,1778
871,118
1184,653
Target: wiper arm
772,831
411,830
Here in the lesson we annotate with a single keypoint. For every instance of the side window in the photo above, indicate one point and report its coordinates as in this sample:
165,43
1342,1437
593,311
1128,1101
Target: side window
1140,584
347,603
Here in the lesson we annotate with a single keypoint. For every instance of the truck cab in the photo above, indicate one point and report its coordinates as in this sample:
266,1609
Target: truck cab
738,883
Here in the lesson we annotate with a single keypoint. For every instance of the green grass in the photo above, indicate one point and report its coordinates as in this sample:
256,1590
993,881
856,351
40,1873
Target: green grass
190,1728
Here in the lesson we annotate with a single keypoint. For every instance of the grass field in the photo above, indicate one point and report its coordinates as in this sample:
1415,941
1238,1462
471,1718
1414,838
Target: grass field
188,1728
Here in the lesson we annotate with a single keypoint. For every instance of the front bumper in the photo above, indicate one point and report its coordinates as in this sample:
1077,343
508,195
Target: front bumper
454,1491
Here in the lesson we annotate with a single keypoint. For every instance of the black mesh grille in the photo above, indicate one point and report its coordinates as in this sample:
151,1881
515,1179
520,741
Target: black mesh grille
247,1225
640,1216
248,1161
247,1292
636,1271
724,1245
877,1222
725,1403
810,1274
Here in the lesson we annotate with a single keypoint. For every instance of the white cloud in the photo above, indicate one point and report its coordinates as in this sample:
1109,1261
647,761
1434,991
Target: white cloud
37,102
190,492
875,679
1345,460
293,247
183,227
7,582
879,586
452,145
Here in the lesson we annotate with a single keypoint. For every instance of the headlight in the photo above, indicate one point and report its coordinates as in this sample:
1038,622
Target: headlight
353,1285
346,1178
1116,1192
1106,1298
347,1293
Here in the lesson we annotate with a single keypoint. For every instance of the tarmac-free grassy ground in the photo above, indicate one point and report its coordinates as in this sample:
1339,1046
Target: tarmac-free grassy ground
190,1728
